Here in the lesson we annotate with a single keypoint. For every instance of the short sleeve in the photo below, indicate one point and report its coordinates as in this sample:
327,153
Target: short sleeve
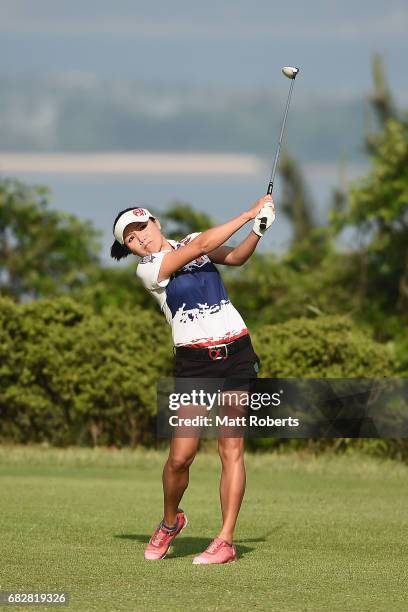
148,271
189,238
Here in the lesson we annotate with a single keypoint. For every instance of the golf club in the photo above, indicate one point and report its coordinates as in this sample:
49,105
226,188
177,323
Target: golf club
290,72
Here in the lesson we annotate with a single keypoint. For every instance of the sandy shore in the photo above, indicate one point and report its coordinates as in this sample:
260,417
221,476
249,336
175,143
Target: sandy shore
131,163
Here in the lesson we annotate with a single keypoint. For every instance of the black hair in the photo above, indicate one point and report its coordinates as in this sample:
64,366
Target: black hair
119,251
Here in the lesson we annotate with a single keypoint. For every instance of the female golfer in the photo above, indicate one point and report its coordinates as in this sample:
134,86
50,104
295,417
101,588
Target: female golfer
211,341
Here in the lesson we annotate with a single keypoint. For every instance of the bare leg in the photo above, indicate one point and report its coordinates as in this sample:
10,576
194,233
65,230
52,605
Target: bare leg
176,475
232,484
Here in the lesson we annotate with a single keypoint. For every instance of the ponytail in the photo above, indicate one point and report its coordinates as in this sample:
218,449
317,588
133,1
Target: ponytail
119,251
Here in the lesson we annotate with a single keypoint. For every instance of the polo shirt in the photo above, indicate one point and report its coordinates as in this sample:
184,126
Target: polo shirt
193,300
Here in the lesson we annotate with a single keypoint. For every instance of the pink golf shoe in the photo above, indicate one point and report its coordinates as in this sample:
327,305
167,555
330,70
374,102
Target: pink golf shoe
219,551
161,539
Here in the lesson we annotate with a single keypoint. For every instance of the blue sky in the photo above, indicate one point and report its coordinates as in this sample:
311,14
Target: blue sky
233,43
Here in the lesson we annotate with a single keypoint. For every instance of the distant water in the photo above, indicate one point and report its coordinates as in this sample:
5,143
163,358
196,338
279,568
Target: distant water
99,196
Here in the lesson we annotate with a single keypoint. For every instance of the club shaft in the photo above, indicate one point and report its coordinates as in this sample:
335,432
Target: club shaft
275,163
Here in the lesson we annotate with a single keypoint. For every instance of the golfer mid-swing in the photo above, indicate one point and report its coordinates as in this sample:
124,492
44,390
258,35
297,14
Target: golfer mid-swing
211,341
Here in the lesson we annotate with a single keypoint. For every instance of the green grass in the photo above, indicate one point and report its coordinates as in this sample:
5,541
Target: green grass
314,534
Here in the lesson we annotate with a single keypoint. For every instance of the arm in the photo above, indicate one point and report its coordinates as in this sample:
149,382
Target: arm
235,256
207,241
240,254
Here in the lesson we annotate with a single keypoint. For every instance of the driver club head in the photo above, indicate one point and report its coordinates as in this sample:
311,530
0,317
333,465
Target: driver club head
290,72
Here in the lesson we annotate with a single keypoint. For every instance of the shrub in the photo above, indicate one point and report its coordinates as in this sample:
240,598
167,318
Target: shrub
324,347
70,376
327,346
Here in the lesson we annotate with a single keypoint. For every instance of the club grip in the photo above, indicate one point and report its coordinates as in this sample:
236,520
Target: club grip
262,224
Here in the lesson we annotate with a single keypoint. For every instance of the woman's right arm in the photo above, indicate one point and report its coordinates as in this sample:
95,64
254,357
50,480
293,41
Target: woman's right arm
208,241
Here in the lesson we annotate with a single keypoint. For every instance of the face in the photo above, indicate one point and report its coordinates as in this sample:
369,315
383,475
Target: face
143,238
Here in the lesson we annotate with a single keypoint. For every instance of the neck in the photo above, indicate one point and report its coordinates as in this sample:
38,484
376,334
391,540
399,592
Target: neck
165,245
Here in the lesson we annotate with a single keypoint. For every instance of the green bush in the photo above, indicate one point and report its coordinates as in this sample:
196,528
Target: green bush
69,376
324,347
327,346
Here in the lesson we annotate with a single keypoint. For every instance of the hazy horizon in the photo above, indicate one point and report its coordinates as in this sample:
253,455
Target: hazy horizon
229,43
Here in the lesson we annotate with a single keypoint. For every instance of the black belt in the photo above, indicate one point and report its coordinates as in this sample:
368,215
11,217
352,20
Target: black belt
215,352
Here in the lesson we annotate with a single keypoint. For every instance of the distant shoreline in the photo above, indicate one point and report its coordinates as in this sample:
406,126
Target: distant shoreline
131,163
156,164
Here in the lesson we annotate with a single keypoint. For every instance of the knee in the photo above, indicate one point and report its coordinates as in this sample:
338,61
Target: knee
180,463
231,450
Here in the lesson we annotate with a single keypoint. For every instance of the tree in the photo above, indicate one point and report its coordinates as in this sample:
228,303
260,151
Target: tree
42,252
181,219
378,210
296,202
381,103
117,287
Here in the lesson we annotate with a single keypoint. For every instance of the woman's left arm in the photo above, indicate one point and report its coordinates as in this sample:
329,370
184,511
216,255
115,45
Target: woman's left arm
235,256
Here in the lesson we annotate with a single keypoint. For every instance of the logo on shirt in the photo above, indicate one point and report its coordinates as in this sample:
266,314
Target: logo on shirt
148,259
197,263
185,240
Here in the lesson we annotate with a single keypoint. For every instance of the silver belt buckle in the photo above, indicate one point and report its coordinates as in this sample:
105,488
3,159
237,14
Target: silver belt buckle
215,352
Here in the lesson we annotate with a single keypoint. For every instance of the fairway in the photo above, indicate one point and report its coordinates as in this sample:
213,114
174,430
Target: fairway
314,534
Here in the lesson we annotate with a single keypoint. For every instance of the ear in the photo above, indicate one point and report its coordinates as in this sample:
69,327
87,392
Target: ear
157,222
